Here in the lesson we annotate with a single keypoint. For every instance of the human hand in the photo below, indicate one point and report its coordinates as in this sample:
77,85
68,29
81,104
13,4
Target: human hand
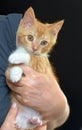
39,91
43,127
10,118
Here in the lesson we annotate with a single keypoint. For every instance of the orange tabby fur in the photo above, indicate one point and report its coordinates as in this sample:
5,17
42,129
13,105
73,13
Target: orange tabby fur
42,39
30,25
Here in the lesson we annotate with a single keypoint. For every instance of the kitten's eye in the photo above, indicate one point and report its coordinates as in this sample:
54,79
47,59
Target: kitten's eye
30,38
44,43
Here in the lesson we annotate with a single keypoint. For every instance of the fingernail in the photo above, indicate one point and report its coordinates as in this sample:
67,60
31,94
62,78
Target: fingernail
14,105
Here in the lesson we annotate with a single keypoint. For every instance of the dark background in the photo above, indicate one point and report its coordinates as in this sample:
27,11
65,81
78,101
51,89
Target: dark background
67,54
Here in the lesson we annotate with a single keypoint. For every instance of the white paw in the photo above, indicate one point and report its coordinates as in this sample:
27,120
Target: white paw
13,58
35,121
27,118
18,125
18,58
15,74
21,122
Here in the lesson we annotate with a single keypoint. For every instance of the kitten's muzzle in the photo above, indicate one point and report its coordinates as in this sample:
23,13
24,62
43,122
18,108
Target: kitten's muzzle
34,48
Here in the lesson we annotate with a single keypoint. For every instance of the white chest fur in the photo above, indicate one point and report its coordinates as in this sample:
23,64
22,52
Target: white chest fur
27,118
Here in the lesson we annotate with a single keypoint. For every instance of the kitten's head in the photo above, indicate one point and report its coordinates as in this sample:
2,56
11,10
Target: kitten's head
37,37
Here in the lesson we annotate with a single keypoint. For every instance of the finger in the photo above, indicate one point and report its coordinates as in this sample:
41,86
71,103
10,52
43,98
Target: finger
43,127
12,113
28,70
8,81
7,74
10,118
11,86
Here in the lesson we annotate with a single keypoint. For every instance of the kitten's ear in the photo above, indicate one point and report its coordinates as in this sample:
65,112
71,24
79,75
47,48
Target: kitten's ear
29,17
55,28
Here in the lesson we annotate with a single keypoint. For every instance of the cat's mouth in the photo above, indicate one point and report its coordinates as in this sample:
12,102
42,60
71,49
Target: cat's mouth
34,52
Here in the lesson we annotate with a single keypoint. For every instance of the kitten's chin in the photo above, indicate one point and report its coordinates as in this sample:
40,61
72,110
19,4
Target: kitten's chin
36,53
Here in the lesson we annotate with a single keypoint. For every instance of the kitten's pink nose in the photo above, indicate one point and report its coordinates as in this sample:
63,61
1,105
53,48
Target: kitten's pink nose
34,48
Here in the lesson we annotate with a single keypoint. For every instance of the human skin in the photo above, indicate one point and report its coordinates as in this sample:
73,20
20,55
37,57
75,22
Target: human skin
10,118
38,90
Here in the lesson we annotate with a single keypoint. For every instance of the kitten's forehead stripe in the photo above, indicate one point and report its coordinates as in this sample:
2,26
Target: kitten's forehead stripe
41,28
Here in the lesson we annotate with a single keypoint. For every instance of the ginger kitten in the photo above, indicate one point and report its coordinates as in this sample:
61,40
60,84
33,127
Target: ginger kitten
34,41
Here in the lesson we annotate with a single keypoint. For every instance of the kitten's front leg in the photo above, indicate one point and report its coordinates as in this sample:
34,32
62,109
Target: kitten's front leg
15,73
19,56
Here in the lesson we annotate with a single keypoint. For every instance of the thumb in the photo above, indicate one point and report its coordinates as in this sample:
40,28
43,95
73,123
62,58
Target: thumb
10,118
43,127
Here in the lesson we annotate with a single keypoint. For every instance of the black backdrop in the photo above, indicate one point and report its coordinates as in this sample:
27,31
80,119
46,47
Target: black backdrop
67,54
